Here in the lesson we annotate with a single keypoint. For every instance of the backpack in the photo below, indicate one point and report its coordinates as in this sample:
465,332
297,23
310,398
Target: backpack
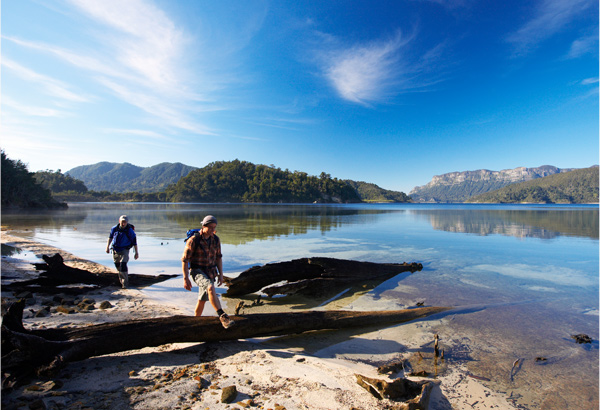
190,233
121,231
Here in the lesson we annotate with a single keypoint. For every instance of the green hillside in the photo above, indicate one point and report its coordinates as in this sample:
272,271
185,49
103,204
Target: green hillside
240,181
369,192
125,177
58,183
574,187
21,190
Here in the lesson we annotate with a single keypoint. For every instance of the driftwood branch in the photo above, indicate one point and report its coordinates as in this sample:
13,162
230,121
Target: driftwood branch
55,273
312,276
40,348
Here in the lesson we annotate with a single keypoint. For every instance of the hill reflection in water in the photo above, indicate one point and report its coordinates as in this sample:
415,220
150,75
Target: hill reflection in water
522,223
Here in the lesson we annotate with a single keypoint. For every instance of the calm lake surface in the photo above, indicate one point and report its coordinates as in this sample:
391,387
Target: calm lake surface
528,273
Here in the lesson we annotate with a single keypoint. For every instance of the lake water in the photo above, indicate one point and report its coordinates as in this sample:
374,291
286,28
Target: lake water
525,276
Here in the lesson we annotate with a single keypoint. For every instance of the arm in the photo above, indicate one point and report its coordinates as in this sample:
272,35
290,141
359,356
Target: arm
108,245
187,284
185,265
133,238
220,269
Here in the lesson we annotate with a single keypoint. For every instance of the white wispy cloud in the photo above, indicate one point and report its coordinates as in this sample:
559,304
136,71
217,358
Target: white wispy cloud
77,59
138,55
549,18
588,81
144,40
366,73
374,72
141,133
169,113
584,45
32,110
52,86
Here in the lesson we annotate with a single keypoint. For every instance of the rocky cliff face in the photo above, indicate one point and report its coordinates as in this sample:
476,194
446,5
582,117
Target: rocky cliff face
460,186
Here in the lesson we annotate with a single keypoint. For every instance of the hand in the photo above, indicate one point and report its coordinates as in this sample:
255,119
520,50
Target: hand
187,284
220,280
136,255
107,250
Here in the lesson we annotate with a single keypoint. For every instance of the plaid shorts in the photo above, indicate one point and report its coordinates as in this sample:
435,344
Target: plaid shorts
203,281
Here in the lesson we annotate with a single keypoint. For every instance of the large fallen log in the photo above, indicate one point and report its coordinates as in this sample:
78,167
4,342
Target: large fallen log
312,276
39,349
55,273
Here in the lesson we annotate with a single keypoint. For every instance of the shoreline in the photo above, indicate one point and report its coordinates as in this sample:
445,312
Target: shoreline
271,373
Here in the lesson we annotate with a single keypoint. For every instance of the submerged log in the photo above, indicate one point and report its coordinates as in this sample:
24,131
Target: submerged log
55,273
312,276
39,348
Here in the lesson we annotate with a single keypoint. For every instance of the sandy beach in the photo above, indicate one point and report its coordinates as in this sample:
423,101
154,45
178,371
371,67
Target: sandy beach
195,376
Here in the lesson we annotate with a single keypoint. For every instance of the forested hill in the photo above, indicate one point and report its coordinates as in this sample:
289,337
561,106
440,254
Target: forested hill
224,181
574,187
369,192
125,177
240,181
21,190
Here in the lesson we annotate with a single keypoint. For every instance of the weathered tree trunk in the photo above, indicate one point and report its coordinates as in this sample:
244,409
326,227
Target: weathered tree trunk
312,276
38,348
55,273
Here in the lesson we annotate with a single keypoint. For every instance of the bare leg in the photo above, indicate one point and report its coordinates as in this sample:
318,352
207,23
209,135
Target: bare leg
199,308
213,298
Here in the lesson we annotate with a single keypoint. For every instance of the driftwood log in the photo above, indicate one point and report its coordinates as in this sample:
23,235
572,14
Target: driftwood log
55,273
312,276
48,348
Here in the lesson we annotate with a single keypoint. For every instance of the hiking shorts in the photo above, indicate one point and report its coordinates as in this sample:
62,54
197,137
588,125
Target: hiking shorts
121,256
203,282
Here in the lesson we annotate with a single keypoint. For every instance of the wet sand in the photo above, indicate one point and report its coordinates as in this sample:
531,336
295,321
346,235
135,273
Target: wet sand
314,371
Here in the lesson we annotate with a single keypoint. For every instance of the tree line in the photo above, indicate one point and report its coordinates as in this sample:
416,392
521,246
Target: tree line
223,181
241,181
20,188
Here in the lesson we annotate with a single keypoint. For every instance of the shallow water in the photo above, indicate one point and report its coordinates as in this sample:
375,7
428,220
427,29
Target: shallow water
527,274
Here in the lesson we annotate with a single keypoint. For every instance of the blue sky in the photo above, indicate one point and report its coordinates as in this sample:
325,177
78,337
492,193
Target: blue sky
389,92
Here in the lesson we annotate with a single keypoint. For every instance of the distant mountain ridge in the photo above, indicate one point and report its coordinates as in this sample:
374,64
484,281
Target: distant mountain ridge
126,177
460,186
576,187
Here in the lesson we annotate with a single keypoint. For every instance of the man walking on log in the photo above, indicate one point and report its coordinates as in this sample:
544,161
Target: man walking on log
202,260
120,240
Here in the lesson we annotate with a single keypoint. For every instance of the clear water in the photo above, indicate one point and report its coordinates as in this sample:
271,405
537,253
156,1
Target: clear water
529,273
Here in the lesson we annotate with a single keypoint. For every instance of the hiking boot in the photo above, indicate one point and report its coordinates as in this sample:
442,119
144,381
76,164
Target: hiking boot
225,321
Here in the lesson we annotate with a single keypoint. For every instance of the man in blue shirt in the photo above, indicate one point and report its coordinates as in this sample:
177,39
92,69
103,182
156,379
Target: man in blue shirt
121,239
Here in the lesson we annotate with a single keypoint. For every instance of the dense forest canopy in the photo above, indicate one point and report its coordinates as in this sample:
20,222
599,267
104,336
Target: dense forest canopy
21,190
241,181
369,192
57,182
574,187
